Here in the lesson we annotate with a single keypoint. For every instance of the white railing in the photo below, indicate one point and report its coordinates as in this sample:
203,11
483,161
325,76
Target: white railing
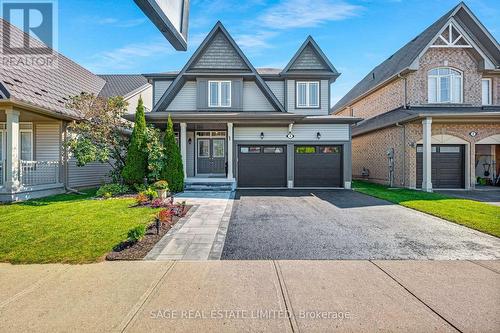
2,173
39,172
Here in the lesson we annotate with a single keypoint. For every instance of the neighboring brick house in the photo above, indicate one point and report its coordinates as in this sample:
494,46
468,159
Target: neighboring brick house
431,110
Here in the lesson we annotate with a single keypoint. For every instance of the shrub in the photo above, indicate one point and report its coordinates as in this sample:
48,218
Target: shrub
150,193
139,187
165,215
141,198
137,158
173,170
157,203
110,190
161,185
137,233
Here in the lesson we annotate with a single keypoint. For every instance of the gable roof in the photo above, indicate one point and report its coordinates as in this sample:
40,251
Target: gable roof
403,59
46,88
308,59
180,79
123,85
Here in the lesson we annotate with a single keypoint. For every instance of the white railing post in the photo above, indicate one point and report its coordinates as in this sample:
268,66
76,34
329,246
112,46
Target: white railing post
12,151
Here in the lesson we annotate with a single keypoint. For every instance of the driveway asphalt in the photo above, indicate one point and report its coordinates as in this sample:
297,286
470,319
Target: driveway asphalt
489,194
343,224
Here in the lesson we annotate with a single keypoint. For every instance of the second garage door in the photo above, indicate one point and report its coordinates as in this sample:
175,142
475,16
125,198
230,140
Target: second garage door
262,166
447,164
318,166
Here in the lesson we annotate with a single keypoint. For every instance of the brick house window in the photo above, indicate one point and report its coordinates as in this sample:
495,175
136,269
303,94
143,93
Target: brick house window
486,91
444,85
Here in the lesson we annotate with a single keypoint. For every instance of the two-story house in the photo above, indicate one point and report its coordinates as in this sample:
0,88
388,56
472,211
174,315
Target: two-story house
247,127
431,110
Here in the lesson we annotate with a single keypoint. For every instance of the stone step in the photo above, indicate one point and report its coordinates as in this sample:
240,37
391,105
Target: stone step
207,186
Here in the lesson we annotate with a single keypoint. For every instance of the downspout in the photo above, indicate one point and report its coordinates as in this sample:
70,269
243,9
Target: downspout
403,127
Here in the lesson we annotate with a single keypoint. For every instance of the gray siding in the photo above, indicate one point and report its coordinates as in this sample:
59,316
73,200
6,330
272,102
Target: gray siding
47,142
185,100
324,99
219,55
254,99
301,132
159,88
278,89
91,175
308,60
190,155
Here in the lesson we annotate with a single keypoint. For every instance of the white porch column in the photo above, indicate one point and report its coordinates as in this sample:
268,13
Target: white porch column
183,139
427,154
230,151
12,152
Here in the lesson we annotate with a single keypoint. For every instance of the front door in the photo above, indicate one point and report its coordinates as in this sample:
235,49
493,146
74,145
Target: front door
211,156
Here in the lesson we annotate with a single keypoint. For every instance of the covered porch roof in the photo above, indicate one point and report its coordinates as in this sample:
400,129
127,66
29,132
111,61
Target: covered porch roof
442,113
245,117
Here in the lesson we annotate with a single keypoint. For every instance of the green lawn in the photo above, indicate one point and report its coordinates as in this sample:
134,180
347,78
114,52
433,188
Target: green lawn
66,228
470,213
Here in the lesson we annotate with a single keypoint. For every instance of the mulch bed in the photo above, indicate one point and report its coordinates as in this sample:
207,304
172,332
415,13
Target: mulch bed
137,251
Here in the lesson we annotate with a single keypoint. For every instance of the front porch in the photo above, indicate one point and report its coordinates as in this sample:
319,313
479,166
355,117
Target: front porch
30,156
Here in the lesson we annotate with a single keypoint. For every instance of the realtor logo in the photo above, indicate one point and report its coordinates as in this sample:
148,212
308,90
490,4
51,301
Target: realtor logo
29,32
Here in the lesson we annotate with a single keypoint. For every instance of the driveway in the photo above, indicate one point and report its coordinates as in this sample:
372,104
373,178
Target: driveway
488,194
342,224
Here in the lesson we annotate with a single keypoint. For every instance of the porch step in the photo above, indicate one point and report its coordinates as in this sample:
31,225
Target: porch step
209,186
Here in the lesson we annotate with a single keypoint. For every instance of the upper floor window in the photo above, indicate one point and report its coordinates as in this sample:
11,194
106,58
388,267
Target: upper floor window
444,85
308,94
486,91
219,94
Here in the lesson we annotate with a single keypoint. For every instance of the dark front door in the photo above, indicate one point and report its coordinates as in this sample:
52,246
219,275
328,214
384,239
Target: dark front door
262,166
318,166
448,166
211,156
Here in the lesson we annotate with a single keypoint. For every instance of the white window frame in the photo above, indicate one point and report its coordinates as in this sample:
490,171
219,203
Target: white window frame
490,91
219,94
438,86
31,144
308,104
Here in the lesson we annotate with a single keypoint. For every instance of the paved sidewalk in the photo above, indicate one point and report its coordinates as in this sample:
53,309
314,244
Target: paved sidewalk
229,296
201,234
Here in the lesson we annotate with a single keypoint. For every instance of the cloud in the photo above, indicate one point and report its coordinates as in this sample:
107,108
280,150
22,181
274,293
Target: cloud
257,40
126,57
112,21
305,13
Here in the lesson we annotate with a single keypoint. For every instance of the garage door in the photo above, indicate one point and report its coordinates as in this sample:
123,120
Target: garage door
262,166
447,166
318,166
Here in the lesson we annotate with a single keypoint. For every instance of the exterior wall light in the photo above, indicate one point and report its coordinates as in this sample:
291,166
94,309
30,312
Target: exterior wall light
190,141
318,135
261,135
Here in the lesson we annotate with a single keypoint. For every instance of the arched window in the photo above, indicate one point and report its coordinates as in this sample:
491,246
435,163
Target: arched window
444,85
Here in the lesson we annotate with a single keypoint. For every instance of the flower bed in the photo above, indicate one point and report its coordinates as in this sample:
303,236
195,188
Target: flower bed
132,249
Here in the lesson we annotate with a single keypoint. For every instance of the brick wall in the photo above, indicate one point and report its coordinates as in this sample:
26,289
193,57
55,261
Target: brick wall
391,96
369,150
460,59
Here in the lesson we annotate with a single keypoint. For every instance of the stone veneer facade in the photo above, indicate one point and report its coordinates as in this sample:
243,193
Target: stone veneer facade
370,149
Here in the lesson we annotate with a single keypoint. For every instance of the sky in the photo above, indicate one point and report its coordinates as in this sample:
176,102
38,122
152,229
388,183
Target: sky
114,36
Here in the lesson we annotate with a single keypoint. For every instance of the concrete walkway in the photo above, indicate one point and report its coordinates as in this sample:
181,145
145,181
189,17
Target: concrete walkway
201,233
230,296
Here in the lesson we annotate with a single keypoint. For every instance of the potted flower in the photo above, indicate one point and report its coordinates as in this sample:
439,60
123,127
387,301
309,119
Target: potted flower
161,188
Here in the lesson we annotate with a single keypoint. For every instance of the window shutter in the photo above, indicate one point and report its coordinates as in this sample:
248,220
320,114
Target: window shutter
237,94
202,93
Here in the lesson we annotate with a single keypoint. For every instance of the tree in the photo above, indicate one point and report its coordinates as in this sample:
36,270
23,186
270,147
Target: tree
173,171
156,154
135,168
101,133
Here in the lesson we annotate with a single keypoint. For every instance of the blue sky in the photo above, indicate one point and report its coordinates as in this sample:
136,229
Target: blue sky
114,36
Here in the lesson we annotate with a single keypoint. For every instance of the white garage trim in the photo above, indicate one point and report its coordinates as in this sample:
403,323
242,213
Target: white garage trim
491,140
446,139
